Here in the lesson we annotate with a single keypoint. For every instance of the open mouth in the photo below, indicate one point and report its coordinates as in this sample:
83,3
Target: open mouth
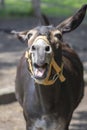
40,72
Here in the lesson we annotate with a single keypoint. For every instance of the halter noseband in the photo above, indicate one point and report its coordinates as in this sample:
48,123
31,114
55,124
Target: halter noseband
53,64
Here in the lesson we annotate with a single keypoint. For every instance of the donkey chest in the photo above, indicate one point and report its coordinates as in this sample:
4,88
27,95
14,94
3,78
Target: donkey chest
41,102
45,114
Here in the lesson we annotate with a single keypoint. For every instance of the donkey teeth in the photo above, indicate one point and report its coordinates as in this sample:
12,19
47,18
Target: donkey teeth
39,72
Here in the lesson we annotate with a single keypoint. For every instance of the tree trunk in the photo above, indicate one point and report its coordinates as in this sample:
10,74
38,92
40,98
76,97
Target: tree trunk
37,12
2,2
36,7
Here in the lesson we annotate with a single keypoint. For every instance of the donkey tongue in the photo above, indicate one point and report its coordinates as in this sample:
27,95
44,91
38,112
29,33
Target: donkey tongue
39,72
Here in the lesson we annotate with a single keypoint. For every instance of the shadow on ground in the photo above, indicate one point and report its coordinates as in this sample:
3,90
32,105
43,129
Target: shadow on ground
81,125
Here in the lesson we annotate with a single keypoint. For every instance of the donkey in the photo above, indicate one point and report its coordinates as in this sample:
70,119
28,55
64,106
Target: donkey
49,80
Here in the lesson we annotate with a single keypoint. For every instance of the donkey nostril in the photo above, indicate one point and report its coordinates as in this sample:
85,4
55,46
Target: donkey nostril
33,48
47,48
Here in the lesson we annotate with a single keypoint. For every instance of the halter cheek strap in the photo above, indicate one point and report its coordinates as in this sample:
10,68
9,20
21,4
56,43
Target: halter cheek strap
59,70
54,65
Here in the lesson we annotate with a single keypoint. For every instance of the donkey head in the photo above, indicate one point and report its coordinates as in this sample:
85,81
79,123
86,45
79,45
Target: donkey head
44,43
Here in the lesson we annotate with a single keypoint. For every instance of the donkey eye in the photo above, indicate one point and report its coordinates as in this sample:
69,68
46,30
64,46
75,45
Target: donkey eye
29,35
59,36
47,49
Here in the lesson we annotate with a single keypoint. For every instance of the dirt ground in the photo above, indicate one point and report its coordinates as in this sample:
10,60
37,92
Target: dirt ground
10,52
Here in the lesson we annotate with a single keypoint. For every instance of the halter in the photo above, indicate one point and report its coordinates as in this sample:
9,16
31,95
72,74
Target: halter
53,64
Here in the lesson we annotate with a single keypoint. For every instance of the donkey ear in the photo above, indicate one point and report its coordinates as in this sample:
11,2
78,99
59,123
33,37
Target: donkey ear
22,36
73,22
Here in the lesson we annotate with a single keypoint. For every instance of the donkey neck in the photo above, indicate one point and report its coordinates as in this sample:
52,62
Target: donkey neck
48,96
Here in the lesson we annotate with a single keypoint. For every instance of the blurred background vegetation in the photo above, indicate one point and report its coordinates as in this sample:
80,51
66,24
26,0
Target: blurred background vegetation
22,8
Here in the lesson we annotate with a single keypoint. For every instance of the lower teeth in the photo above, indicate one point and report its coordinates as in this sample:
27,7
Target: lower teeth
39,73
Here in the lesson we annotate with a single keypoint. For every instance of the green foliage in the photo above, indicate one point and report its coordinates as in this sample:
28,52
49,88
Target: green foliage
16,8
61,7
71,3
